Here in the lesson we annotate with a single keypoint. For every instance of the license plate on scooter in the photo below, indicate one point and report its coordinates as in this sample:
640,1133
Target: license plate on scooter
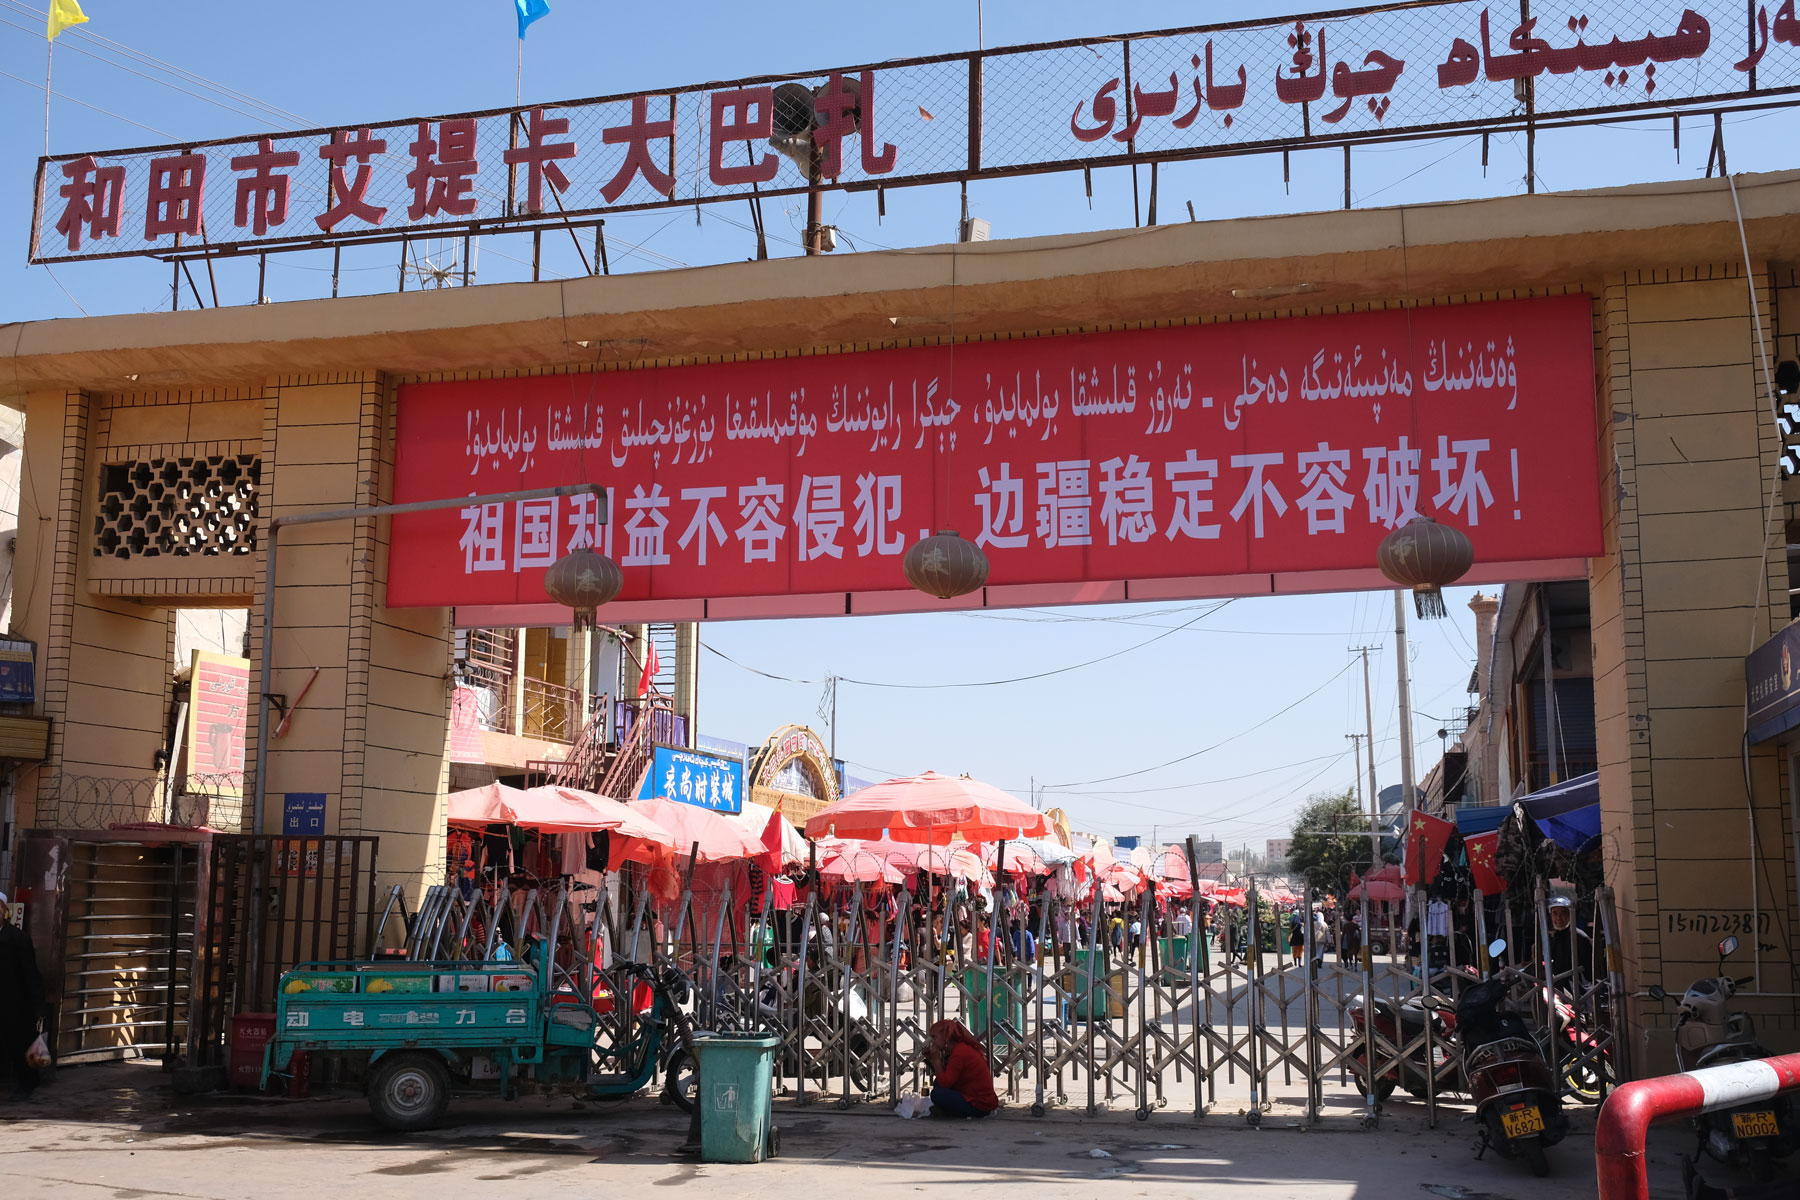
1754,1124
1523,1123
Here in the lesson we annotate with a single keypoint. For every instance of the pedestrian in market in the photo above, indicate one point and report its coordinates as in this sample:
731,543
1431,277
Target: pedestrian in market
21,1004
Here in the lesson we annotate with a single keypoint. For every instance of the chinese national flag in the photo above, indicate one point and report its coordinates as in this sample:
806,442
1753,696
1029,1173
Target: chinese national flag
1426,838
1481,863
652,665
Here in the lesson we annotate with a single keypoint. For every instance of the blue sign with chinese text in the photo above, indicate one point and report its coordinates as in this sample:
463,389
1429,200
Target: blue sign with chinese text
696,777
303,814
1772,685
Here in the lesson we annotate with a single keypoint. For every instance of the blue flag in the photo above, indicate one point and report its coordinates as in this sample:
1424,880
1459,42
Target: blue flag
529,11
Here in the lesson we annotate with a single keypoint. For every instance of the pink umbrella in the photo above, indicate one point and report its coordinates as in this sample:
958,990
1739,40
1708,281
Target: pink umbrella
552,809
1022,858
486,805
930,808
856,865
959,862
719,840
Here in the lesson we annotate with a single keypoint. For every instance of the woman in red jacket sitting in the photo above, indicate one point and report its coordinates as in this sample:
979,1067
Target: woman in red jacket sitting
965,1087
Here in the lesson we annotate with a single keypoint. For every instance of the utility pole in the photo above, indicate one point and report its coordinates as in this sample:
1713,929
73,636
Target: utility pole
1369,718
1356,742
1406,747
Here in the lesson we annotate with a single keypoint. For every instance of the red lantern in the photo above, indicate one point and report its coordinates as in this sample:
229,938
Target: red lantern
945,565
1426,557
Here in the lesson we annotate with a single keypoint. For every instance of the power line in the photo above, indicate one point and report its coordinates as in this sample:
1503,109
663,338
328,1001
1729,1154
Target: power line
79,36
1079,783
38,87
979,683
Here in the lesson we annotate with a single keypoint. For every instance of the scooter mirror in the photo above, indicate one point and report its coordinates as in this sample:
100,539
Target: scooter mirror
1728,947
1657,993
1497,947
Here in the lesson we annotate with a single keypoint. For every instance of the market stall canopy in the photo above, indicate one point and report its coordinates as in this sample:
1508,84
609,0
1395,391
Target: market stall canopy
552,809
482,806
1568,812
1482,818
1038,856
1381,891
755,818
719,838
930,808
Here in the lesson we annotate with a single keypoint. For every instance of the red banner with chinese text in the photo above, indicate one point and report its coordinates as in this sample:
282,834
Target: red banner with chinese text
1284,445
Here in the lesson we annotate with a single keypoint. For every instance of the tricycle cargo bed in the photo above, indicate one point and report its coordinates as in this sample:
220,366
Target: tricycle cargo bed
382,1006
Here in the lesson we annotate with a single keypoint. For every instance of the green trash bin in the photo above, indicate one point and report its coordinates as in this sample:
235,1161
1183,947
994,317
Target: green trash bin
1008,1006
736,1071
1107,998
1174,954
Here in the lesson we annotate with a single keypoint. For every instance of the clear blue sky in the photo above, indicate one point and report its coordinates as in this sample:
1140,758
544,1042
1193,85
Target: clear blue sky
334,61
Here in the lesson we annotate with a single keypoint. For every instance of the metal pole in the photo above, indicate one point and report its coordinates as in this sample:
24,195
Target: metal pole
1405,699
1087,998
1369,737
1253,1027
277,524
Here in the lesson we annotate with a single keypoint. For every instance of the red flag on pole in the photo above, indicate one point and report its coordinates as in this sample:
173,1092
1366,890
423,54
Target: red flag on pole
652,665
770,859
1481,851
1426,838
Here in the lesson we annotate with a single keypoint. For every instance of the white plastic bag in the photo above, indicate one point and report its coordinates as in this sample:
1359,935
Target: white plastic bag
911,1108
38,1055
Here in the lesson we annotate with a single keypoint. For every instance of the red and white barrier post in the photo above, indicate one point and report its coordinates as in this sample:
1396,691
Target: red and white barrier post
1628,1113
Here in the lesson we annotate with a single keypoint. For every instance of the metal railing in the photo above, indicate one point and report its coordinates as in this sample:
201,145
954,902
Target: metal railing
551,712
486,661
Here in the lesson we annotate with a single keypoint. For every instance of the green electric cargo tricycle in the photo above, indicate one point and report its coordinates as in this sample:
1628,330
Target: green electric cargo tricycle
414,1031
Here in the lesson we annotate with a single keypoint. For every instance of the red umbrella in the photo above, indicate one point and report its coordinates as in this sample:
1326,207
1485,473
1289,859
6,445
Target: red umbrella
930,808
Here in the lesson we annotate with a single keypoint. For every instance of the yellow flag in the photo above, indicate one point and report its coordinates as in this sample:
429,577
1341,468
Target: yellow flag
64,13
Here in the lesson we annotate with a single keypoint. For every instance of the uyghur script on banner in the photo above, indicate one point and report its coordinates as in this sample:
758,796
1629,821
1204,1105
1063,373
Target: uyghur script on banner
1283,445
1358,75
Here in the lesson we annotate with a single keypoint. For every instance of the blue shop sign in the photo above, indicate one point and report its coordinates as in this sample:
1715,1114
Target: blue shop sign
1772,681
696,777
18,671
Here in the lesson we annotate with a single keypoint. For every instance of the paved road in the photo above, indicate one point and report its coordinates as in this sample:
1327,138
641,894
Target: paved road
115,1133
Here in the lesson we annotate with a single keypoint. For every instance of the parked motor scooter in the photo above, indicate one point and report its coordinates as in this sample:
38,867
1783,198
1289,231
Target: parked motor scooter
1400,1025
1708,1033
1508,1075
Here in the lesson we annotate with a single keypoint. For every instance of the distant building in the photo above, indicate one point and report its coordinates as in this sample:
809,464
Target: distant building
1209,852
1278,849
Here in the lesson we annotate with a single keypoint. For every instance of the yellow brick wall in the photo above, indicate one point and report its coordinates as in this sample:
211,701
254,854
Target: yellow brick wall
1688,455
372,732
103,662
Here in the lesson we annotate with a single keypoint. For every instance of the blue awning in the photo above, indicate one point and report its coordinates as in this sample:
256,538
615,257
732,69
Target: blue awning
1568,812
1482,819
